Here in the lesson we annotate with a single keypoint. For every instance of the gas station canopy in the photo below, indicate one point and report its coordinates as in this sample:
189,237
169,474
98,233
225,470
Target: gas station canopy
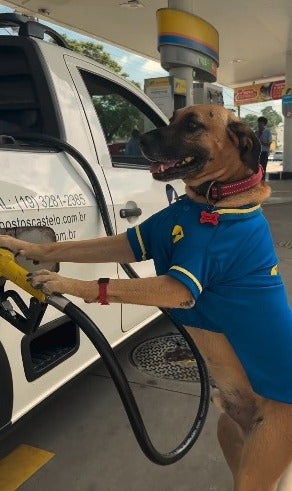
255,36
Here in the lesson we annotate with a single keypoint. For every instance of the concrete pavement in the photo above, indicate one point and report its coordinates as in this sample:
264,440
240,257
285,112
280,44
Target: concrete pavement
278,211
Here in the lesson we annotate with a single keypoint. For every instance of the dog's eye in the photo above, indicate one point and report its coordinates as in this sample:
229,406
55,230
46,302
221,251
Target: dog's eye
194,125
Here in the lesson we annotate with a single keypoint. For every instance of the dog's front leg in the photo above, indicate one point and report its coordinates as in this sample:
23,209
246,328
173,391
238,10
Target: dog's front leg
162,291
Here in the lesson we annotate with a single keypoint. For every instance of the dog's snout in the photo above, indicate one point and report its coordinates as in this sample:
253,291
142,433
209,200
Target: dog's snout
143,140
143,143
149,142
148,138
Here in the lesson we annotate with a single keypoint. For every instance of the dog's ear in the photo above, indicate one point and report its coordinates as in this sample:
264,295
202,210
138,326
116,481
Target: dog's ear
247,142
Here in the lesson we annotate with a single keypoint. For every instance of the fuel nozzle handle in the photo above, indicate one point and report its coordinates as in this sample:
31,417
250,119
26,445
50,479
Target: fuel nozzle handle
12,271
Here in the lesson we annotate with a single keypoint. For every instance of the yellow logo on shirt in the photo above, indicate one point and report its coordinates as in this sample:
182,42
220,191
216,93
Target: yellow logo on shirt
177,233
274,270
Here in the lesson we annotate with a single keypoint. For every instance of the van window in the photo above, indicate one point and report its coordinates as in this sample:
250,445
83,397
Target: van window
19,109
123,117
26,105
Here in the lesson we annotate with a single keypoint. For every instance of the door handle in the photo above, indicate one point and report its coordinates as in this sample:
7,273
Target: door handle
130,212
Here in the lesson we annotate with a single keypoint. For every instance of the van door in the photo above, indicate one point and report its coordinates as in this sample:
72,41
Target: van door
120,112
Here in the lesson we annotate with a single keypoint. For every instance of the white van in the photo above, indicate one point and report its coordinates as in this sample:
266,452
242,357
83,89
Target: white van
64,175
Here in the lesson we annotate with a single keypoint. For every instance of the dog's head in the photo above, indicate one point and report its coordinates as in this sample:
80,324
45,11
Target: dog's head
201,141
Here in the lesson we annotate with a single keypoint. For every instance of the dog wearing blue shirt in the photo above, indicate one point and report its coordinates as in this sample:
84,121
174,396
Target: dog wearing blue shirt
243,323
217,274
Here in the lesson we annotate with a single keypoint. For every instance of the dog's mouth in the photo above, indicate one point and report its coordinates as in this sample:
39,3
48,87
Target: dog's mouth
166,170
163,166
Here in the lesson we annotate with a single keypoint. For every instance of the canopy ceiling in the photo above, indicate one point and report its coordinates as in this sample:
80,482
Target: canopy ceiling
254,35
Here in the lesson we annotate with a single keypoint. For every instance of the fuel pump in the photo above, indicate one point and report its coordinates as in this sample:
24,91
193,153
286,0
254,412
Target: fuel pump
168,93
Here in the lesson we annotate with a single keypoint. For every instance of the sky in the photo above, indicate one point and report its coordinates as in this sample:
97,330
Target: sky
138,68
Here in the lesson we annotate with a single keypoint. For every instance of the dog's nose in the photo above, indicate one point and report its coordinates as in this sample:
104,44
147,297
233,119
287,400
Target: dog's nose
144,141
149,138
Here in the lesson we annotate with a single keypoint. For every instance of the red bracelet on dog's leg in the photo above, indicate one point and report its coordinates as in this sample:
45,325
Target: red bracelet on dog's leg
102,299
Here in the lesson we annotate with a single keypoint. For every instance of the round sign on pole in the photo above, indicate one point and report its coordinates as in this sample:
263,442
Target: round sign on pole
187,40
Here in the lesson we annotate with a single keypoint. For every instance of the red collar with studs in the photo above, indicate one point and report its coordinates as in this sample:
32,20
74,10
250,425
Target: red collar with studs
218,190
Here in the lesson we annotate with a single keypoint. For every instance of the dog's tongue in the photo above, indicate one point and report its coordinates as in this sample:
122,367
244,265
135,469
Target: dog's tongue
158,167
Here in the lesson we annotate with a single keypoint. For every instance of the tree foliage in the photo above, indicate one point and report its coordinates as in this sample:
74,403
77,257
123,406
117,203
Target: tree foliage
96,52
272,116
117,116
251,120
274,119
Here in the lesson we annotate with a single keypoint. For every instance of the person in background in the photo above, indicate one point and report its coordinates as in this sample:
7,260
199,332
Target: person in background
265,136
133,146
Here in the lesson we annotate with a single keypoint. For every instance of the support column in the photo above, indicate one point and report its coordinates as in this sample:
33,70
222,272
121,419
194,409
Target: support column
184,72
185,5
287,164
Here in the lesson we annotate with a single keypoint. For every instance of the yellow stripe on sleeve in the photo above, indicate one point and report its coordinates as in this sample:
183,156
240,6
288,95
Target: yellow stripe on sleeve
190,275
141,243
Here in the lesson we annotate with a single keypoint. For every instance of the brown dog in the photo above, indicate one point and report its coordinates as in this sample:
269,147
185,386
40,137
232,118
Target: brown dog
227,273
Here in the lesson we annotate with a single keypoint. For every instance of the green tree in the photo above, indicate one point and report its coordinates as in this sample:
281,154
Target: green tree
96,52
274,119
272,116
117,116
251,120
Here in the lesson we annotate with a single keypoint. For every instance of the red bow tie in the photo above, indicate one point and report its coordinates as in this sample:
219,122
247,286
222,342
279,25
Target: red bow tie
212,218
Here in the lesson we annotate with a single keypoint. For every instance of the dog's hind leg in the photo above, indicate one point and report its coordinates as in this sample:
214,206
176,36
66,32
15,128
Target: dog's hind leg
231,441
267,450
229,434
286,481
266,425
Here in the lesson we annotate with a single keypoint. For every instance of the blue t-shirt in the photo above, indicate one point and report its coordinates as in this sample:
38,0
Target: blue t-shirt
231,271
265,138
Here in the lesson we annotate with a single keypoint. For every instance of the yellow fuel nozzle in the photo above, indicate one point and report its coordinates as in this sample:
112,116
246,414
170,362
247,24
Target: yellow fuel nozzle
12,271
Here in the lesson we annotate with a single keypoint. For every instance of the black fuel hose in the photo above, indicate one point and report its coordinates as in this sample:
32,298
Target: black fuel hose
102,345
112,364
